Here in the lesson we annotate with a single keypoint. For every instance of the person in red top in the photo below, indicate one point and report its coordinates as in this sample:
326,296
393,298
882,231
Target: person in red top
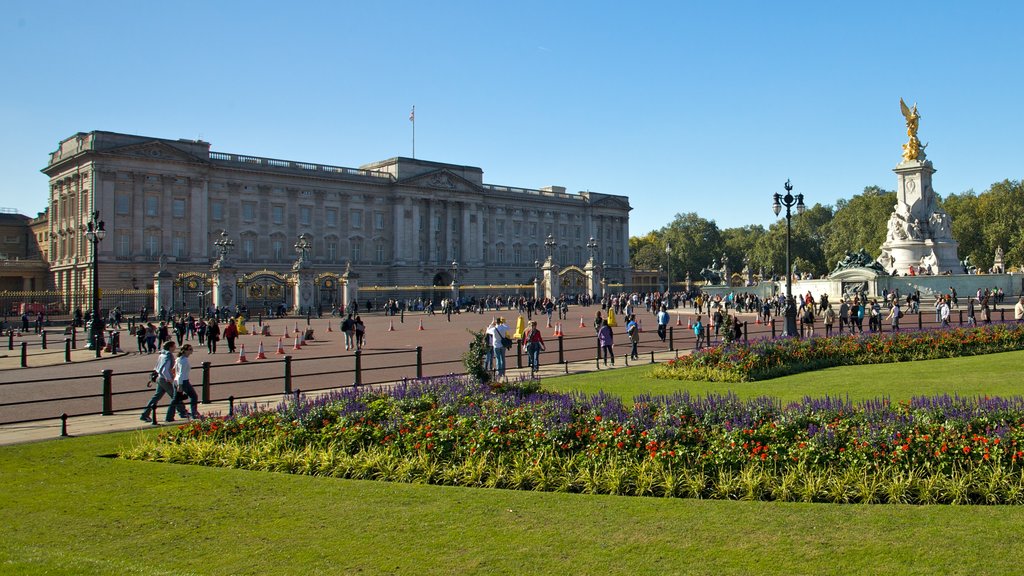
534,344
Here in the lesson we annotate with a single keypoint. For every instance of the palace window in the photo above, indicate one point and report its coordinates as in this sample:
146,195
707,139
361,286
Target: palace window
178,207
178,246
152,205
152,244
277,215
248,211
248,249
332,217
217,211
124,203
124,245
332,251
357,250
357,219
380,253
305,215
277,247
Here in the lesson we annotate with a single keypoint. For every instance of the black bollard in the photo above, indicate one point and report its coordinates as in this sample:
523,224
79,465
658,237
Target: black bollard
652,356
566,366
671,338
206,383
773,328
561,351
64,425
24,354
919,315
74,338
108,394
44,339
10,340
359,368
67,350
231,405
625,358
419,361
745,339
288,374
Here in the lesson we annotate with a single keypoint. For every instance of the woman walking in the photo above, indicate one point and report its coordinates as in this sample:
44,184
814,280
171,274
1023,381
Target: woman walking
534,344
605,341
182,383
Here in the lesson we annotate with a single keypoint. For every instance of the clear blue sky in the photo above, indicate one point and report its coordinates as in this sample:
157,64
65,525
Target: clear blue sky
682,106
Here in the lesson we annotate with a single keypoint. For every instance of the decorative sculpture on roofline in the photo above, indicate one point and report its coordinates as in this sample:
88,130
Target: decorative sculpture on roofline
913,149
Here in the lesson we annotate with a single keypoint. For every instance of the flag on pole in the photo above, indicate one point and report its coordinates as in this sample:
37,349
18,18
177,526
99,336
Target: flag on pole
412,115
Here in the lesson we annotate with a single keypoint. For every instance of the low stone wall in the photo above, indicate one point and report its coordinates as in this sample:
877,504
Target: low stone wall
929,286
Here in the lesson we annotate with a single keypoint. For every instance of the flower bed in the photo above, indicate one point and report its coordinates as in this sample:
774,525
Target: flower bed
772,358
459,432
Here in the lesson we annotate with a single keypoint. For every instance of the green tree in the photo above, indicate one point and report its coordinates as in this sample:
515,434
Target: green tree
695,242
859,222
646,252
968,223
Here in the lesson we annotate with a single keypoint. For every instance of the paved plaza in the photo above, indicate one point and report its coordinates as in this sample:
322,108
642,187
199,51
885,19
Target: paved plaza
389,356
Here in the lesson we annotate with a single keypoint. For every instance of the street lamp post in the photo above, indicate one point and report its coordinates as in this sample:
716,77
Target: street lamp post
789,201
668,268
302,247
550,244
95,233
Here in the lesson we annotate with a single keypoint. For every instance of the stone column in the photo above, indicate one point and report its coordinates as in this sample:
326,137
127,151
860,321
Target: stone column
302,291
594,279
350,288
163,291
550,271
225,284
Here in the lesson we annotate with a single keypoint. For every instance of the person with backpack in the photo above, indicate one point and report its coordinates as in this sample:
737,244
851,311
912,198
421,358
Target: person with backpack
360,332
895,313
534,345
348,328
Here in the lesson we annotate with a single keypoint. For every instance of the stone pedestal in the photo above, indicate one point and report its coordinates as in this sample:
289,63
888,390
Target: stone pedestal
551,286
919,232
302,291
350,288
224,281
595,283
163,291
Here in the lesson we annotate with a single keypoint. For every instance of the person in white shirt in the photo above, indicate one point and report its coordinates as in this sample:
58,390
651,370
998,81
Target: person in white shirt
182,384
498,332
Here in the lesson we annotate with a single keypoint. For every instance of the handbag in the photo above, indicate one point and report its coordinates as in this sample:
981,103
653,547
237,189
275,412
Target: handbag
506,342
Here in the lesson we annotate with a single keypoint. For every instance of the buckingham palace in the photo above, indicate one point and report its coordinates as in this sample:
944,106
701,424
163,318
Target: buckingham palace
166,204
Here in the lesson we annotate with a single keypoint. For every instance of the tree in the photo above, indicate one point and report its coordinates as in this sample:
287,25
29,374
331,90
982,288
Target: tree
695,242
739,243
859,222
646,252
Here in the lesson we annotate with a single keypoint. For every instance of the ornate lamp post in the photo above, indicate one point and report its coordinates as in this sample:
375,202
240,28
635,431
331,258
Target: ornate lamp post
95,232
550,244
789,201
303,246
668,268
455,272
225,245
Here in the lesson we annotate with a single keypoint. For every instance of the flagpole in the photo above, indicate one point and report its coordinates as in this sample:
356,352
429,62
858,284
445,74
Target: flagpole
412,118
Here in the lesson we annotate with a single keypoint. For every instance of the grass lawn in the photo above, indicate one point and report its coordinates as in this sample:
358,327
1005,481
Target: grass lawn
67,509
992,374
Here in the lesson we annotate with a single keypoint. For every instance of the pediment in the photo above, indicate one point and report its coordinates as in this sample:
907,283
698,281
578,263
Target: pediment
442,179
154,151
618,202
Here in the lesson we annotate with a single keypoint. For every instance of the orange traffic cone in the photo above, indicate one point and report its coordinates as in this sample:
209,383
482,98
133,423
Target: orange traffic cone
391,325
679,320
421,324
582,325
280,346
329,326
302,339
558,330
688,324
260,355
297,346
241,355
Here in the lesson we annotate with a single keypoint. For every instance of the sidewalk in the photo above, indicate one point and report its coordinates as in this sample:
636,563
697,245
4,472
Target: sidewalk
126,421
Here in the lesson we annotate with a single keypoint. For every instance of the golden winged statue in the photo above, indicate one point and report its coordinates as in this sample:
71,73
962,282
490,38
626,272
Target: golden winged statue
912,150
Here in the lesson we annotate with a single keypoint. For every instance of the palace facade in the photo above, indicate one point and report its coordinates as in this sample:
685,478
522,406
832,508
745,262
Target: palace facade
401,221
